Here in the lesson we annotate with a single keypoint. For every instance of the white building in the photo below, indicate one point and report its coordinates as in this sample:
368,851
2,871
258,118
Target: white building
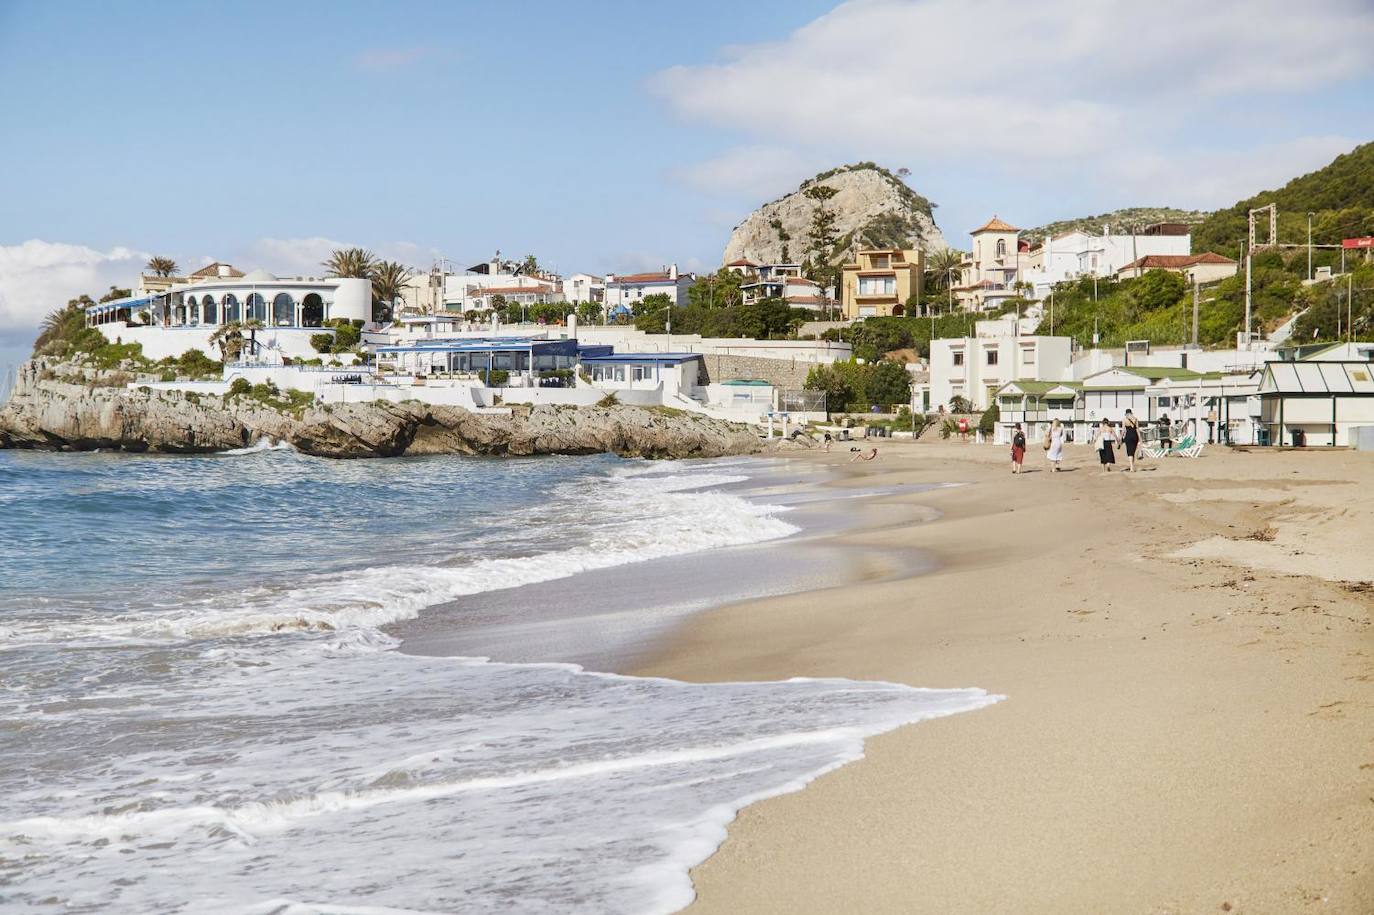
623,291
975,367
185,316
584,287
1076,254
988,276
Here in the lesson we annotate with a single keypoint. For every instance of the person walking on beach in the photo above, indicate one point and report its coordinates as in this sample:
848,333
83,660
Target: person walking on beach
828,440
1130,437
1166,435
963,429
1054,445
1105,437
1018,448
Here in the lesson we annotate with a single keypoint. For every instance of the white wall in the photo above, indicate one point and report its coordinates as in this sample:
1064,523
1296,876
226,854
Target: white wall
164,342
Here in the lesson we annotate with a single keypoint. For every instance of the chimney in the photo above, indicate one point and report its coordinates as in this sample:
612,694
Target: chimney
672,271
223,270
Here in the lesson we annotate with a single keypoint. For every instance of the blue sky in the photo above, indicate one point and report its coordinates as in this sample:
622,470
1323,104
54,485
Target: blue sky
621,135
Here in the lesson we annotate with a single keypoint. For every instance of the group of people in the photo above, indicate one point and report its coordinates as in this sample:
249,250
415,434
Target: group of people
1105,440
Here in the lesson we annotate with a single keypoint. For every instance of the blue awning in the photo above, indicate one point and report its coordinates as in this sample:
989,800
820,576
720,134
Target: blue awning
641,358
507,345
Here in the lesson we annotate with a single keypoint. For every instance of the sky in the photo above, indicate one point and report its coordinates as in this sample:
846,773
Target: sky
607,136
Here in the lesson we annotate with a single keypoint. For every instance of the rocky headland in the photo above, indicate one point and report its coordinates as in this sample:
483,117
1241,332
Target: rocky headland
872,208
65,407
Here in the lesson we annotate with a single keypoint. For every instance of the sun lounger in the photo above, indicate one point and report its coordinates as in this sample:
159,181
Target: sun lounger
1187,446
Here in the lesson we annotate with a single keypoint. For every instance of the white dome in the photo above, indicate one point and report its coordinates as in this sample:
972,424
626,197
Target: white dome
259,276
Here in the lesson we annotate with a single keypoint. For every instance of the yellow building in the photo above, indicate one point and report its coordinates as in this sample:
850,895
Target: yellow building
881,282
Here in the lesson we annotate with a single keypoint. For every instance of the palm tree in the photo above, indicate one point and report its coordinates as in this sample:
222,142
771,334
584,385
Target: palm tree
940,264
229,338
388,279
161,266
351,262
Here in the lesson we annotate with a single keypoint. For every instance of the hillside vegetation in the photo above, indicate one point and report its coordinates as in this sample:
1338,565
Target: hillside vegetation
1341,197
1117,221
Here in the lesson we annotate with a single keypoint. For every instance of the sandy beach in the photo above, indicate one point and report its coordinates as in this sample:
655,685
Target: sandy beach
1188,659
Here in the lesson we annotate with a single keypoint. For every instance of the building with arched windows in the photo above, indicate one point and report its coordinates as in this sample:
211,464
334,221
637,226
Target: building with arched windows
282,313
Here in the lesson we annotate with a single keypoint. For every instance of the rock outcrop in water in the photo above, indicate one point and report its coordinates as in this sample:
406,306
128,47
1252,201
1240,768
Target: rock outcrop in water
62,407
873,208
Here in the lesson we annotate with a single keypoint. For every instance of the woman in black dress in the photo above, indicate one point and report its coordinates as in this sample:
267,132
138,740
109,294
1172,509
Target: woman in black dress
1130,437
1105,437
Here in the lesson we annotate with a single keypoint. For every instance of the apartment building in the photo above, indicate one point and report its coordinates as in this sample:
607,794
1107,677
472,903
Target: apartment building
880,282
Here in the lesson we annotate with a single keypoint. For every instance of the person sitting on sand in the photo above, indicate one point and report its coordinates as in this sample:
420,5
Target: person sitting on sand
858,455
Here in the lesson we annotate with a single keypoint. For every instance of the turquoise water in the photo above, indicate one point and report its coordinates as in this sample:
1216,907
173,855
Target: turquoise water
201,710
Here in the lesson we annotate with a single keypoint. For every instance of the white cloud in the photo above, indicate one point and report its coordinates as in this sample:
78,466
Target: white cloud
380,60
763,171
38,276
304,256
1060,82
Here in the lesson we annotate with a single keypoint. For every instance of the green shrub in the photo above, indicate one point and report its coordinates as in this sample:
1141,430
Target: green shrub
169,375
987,423
496,378
323,343
239,387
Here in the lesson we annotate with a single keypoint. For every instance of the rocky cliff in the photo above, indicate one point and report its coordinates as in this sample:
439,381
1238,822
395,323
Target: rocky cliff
63,408
873,208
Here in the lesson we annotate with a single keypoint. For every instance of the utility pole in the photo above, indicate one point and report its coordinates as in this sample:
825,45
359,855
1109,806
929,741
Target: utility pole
1195,300
1309,247
1349,306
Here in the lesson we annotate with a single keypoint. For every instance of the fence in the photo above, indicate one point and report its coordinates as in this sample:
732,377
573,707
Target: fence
801,401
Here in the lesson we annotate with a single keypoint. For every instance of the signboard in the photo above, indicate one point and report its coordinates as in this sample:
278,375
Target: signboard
1365,242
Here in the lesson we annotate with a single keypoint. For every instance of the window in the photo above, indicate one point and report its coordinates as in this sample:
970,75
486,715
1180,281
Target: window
877,285
255,308
958,357
639,373
283,310
1027,355
231,308
992,356
1001,247
208,313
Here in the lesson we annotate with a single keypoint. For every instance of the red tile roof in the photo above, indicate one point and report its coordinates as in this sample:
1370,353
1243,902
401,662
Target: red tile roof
742,262
995,225
637,278
804,299
1176,261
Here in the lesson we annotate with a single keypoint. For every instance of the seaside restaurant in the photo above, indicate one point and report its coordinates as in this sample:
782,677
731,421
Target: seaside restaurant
478,360
1315,403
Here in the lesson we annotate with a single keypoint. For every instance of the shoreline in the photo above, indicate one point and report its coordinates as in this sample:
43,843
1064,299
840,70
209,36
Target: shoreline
1179,733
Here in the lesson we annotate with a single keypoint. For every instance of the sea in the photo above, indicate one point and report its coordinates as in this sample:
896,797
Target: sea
260,682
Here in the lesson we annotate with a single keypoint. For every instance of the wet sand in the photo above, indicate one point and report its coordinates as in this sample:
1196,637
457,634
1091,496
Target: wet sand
1188,657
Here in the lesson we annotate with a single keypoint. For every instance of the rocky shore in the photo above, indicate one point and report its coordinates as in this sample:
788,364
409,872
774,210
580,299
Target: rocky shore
63,407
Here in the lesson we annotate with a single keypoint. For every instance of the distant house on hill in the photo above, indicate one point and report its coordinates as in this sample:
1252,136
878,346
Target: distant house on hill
623,290
1198,268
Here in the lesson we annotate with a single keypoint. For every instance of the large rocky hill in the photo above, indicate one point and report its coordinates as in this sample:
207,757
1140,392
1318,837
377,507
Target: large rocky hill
872,207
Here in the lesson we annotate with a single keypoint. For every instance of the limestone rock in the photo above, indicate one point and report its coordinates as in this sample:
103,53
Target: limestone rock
873,209
63,408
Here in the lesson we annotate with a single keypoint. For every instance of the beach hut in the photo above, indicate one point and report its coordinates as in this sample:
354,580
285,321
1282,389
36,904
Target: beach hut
1315,403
